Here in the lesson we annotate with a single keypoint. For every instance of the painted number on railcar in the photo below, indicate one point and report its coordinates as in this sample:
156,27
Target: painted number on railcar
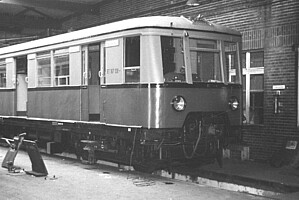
113,71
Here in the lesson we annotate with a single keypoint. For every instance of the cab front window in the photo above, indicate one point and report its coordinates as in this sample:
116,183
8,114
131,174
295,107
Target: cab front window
173,59
209,61
205,61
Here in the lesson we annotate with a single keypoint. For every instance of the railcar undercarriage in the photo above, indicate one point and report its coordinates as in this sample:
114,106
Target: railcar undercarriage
199,141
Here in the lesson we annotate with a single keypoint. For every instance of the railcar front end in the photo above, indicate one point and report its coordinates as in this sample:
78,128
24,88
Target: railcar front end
192,115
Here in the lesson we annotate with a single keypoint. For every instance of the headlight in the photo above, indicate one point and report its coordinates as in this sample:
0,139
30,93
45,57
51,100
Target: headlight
178,103
233,103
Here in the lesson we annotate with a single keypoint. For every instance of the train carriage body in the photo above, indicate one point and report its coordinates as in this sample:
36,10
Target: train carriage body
144,90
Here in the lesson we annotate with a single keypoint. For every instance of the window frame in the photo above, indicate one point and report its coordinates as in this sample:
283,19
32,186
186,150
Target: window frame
229,72
132,68
61,53
52,54
216,53
248,71
43,56
3,63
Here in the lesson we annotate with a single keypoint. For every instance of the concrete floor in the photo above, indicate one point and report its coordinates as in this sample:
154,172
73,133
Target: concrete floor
69,179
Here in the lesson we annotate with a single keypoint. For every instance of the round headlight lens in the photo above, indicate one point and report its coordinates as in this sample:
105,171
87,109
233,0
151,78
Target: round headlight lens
178,103
233,103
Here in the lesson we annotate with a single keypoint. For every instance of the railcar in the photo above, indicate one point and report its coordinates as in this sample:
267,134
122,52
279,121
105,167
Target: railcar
148,92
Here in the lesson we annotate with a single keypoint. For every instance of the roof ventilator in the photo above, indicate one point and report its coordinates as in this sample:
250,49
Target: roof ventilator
200,18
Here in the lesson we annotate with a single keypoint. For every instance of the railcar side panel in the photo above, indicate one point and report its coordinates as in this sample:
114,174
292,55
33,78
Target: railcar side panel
59,103
10,73
121,106
75,65
151,59
31,70
7,102
94,103
84,103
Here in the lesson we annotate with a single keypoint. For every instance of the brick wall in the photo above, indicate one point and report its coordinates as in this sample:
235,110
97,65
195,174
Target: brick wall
272,25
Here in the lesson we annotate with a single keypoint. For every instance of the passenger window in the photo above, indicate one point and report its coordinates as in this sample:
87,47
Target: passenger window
61,67
44,68
2,74
132,59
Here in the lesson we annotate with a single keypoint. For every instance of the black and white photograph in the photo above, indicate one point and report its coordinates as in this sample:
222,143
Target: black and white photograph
149,99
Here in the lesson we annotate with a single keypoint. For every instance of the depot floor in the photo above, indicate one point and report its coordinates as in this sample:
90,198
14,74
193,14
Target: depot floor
69,179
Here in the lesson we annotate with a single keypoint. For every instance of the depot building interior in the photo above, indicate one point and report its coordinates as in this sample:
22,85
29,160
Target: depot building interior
270,52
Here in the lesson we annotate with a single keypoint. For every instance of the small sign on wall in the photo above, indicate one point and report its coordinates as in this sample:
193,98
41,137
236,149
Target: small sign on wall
278,87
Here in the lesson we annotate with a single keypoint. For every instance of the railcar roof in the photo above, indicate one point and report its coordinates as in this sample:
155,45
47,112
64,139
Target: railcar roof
142,22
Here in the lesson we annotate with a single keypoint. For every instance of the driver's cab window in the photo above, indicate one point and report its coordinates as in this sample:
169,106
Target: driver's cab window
205,60
173,59
132,59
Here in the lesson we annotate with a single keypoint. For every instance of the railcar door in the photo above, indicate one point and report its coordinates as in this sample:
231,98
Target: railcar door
21,85
93,74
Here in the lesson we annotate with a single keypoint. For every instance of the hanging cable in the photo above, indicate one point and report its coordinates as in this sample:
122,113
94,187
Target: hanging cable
196,144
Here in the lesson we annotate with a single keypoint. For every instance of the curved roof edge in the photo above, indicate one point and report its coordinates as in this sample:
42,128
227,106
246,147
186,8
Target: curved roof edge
134,23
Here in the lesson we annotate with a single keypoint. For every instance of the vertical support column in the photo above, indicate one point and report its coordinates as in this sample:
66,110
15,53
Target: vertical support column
187,61
247,90
222,61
